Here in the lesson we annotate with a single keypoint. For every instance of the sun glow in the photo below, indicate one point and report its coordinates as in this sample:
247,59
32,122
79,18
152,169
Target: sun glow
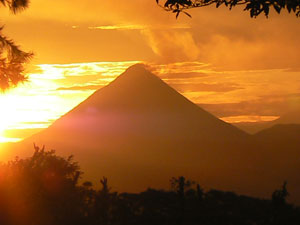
248,119
53,90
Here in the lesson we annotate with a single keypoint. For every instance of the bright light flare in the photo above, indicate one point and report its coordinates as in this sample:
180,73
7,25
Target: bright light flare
54,89
39,102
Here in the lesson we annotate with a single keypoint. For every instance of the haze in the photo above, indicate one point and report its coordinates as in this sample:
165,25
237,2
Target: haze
249,71
151,103
241,72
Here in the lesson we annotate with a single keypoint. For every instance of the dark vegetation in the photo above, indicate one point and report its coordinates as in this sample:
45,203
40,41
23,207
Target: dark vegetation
45,189
255,7
12,58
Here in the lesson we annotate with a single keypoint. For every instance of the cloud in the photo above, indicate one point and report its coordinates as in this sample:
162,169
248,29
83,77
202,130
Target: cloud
59,43
21,133
172,76
71,80
140,30
269,105
43,123
80,88
172,45
98,11
296,69
249,119
180,67
118,27
205,87
139,27
241,108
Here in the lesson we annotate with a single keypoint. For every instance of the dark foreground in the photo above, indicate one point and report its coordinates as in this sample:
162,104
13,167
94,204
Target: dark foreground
45,189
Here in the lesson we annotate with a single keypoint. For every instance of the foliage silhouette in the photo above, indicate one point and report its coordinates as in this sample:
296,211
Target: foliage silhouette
279,196
255,7
43,189
46,189
12,58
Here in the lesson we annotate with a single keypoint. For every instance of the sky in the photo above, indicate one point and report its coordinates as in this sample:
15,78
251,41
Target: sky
240,69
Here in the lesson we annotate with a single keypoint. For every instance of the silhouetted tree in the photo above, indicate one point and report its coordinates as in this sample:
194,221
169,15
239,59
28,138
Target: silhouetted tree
180,185
200,192
255,7
279,196
103,203
44,189
15,5
12,58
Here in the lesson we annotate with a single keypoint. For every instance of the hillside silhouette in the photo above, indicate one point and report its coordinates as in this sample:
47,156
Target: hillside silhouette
47,189
281,132
291,117
138,129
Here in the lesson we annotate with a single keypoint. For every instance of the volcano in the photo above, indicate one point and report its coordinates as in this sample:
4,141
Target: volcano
139,132
139,104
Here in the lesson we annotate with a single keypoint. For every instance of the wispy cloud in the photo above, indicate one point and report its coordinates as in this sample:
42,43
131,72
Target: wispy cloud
172,45
268,105
139,27
118,27
179,76
55,89
205,87
80,88
249,119
14,135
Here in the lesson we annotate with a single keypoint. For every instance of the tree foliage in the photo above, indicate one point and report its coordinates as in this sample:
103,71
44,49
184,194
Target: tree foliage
12,58
45,189
15,5
41,189
255,7
279,196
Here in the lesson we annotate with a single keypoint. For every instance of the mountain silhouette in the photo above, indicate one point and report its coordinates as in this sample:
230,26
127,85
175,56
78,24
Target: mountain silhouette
283,132
138,131
138,101
291,117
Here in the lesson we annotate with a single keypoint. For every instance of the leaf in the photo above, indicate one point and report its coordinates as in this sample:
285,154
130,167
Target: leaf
266,10
189,15
277,8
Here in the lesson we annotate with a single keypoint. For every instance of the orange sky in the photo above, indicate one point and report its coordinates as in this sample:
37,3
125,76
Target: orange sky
237,66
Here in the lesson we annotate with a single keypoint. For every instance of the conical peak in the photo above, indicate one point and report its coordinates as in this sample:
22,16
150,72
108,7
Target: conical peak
138,85
137,74
139,67
136,88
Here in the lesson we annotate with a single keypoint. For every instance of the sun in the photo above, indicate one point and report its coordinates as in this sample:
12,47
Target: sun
3,127
9,113
1,132
5,120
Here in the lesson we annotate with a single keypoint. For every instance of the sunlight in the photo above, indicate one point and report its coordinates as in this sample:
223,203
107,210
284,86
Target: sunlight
248,119
53,90
6,115
5,140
